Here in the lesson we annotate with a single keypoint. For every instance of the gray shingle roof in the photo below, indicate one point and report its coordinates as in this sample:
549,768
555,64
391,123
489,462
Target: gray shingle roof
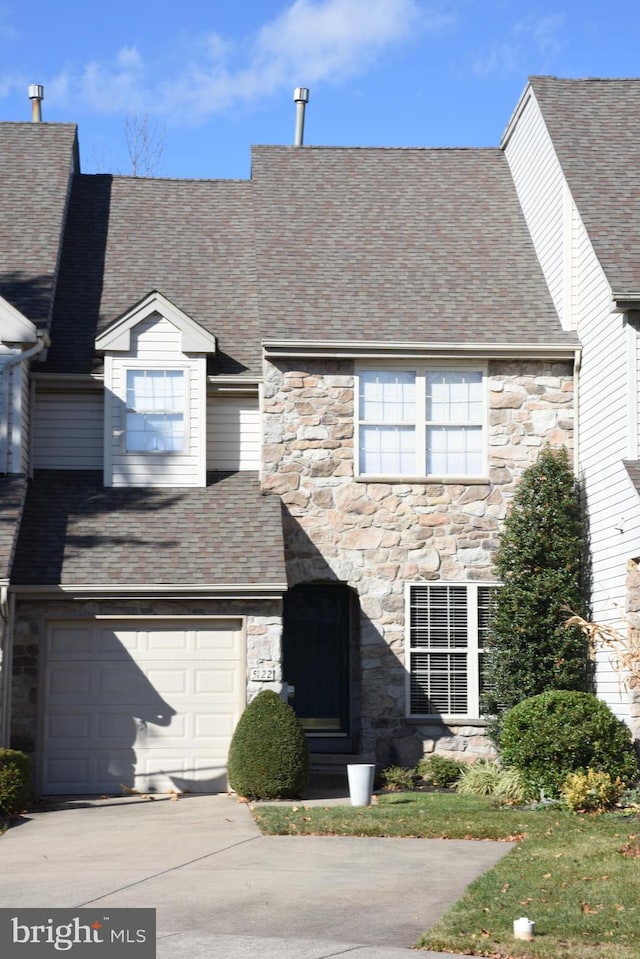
12,495
77,532
633,469
190,239
35,167
595,128
396,244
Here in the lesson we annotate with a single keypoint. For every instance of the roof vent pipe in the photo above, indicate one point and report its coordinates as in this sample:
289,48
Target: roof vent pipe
301,98
36,95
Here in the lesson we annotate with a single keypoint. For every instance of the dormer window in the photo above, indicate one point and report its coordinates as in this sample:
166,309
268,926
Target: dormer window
155,409
155,420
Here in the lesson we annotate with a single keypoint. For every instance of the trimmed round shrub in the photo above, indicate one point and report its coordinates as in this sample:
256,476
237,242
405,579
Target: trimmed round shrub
268,755
15,782
556,733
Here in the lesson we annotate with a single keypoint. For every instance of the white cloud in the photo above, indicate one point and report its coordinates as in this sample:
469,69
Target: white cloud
113,88
311,41
527,39
545,32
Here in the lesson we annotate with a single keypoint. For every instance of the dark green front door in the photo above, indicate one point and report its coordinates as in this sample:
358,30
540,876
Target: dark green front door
318,663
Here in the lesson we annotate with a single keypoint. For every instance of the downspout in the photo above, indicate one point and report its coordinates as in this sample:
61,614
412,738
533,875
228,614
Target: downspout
6,647
577,363
7,601
43,343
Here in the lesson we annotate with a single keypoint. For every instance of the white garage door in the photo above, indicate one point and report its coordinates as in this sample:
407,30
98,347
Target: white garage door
147,705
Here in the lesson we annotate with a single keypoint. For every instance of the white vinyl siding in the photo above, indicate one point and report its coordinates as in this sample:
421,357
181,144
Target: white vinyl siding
446,628
540,184
68,431
233,433
582,295
421,421
155,347
604,442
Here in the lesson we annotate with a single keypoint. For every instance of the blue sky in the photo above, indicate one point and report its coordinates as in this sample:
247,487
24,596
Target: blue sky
211,78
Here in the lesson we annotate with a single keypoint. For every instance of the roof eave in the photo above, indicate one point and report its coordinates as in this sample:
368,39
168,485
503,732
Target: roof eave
167,591
624,302
384,350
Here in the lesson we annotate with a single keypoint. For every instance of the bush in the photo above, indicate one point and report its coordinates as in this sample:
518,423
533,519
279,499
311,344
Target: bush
592,791
15,782
549,736
398,777
528,649
268,755
440,770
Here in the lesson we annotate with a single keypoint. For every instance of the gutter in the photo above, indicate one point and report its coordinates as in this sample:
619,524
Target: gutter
153,590
345,349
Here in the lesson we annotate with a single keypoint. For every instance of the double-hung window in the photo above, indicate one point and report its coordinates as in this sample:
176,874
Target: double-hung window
446,628
155,417
423,421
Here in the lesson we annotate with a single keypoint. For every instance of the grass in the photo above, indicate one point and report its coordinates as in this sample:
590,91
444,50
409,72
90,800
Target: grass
577,877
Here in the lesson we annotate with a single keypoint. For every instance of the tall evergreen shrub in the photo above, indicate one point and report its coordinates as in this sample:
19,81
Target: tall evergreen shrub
539,562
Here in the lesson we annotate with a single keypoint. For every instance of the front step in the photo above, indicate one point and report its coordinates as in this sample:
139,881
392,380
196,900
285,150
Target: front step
330,769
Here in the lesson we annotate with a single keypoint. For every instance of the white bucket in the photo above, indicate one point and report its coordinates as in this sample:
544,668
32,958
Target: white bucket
524,928
360,778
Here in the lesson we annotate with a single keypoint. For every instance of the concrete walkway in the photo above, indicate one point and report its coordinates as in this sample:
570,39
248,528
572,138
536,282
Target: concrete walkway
221,889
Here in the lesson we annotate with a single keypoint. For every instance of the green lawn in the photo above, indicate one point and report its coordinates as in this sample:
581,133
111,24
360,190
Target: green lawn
578,877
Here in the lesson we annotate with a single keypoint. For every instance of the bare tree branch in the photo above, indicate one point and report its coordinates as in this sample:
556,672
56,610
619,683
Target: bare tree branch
145,143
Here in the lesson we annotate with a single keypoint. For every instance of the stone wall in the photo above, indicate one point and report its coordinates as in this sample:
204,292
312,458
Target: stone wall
376,537
263,623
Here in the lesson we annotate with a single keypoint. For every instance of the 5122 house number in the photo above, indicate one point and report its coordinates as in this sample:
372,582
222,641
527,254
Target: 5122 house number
263,674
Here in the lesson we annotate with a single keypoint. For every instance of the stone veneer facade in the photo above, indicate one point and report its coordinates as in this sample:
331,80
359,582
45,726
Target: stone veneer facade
378,536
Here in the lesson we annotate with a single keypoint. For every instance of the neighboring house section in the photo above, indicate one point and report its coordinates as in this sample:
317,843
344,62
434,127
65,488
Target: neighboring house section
570,146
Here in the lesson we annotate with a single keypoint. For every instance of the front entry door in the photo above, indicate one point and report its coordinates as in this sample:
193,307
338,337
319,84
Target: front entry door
318,662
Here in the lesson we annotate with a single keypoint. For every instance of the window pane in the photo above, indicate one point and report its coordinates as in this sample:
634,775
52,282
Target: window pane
147,433
155,411
439,683
155,390
439,640
388,396
439,616
454,450
454,397
387,450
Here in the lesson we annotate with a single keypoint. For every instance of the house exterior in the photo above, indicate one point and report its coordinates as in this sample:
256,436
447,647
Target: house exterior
264,434
569,147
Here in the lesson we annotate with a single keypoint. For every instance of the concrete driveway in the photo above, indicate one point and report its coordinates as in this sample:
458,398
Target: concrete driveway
221,889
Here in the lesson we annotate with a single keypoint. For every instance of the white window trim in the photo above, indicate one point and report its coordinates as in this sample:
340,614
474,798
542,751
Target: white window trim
421,368
472,650
156,366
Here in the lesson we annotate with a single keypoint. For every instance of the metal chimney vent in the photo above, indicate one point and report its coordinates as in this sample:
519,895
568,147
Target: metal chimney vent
301,98
36,95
